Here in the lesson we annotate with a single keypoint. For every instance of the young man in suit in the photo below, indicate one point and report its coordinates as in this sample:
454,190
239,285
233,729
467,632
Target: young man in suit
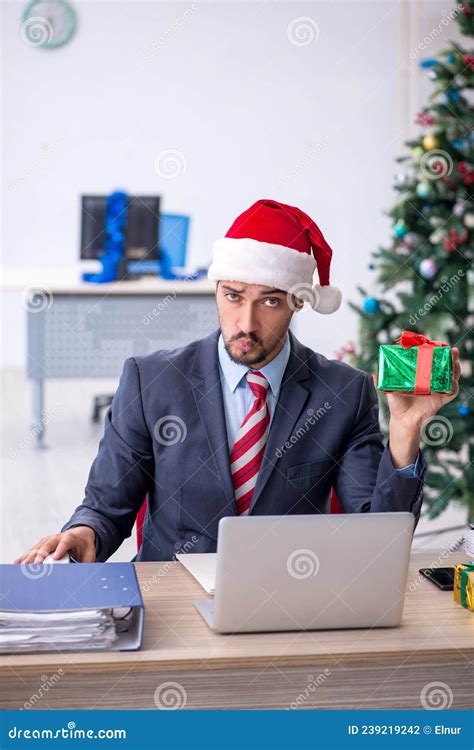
247,420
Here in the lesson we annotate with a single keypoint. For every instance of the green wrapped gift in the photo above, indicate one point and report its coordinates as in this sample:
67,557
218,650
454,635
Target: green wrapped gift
415,365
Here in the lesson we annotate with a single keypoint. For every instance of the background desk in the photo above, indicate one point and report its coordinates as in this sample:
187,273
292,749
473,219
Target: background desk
77,329
380,668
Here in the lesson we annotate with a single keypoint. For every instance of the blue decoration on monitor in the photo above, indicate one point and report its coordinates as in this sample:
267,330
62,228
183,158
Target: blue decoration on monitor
129,236
115,227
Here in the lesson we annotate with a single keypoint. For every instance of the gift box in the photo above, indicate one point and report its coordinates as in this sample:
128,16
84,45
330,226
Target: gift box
467,589
461,580
415,364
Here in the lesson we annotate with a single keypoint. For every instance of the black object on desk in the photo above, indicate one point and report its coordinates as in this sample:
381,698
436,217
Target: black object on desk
443,578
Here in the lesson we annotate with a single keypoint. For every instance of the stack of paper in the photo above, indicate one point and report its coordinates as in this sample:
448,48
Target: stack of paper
89,628
87,606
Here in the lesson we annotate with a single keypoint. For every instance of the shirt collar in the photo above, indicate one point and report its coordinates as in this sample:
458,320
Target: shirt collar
273,371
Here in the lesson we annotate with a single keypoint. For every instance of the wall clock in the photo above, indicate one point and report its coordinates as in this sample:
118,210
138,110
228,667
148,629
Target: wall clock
48,23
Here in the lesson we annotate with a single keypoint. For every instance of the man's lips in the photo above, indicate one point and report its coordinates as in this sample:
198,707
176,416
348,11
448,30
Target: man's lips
245,344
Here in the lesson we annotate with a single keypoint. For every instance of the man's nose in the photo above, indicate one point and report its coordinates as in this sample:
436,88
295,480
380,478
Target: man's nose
248,320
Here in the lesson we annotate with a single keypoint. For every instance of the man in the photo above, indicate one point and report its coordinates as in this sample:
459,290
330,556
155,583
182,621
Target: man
246,420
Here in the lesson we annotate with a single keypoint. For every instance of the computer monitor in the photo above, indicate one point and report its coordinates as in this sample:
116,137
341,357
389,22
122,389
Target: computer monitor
142,230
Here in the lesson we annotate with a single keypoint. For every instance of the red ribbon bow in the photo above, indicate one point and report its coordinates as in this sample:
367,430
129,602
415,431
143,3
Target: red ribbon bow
424,361
409,338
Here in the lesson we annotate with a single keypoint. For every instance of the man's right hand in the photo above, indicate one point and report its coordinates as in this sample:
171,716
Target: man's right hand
79,541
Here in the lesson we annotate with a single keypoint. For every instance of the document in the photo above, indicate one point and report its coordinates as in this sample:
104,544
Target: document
44,631
202,566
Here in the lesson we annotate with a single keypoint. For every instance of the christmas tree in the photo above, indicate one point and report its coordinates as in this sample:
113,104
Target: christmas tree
422,277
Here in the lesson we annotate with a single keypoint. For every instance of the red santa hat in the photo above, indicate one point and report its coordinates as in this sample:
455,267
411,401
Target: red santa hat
278,246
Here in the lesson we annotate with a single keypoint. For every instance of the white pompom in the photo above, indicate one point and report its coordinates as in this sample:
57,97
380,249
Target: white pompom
327,299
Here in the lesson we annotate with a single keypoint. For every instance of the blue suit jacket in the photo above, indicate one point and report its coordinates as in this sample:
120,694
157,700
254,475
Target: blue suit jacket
325,433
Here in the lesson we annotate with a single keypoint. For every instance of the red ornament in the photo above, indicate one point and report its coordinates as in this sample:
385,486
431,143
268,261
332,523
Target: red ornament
423,118
465,9
466,173
454,239
469,60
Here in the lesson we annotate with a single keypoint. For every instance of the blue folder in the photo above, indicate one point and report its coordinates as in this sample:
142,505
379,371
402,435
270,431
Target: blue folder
53,587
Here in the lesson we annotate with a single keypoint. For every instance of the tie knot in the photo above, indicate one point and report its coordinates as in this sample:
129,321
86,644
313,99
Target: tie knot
258,383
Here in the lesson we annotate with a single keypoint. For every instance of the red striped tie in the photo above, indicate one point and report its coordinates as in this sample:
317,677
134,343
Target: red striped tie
249,446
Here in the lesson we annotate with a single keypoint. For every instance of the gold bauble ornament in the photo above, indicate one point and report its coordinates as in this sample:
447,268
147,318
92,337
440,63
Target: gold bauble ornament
430,142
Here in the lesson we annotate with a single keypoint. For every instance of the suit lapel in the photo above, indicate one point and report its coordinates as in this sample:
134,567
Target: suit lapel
207,393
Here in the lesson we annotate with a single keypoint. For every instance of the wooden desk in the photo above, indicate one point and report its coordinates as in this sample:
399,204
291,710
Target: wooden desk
344,669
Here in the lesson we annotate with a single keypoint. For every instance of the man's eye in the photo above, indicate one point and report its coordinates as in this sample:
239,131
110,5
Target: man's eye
273,301
233,295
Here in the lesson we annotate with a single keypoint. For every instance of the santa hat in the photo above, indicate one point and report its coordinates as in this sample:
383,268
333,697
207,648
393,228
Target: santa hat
278,246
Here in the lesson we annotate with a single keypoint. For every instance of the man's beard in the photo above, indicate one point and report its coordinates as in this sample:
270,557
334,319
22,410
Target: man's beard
246,358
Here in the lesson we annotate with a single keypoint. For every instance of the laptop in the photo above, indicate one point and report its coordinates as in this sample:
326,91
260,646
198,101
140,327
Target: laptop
309,572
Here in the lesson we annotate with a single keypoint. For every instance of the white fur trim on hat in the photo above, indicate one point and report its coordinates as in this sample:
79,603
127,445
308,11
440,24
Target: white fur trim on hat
253,262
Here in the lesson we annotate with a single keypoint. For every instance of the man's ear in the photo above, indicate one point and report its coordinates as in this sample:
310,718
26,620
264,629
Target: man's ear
297,303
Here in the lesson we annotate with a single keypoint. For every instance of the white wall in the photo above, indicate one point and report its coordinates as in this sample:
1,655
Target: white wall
253,115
